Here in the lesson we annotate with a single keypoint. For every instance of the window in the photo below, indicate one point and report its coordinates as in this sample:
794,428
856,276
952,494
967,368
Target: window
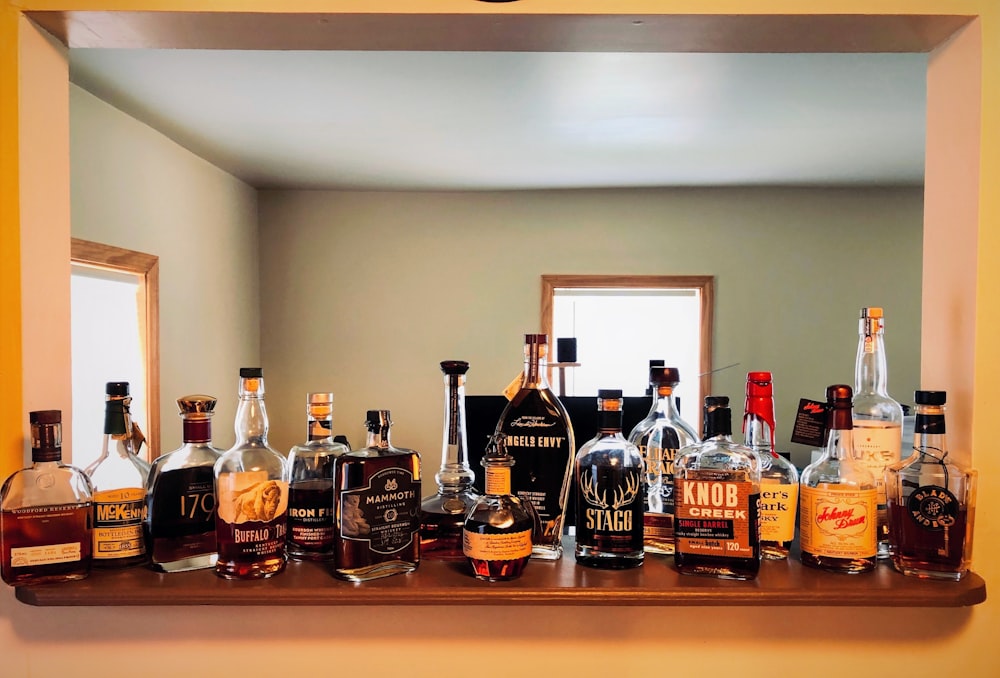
115,310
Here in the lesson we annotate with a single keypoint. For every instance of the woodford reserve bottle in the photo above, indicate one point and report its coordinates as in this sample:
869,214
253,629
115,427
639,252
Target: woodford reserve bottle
539,436
717,491
659,436
608,482
837,505
251,486
45,512
180,494
779,479
377,503
443,515
310,484
119,477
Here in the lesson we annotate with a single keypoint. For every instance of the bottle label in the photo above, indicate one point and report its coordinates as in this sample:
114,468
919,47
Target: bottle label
30,556
385,513
310,514
609,507
778,502
876,445
933,508
118,518
182,503
510,546
251,516
498,481
28,530
716,516
838,521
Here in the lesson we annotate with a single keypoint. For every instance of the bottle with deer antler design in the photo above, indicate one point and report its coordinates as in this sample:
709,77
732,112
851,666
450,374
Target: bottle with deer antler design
608,486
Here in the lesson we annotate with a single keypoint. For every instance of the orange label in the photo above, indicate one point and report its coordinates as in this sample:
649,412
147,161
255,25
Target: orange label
838,521
498,480
508,546
715,517
778,502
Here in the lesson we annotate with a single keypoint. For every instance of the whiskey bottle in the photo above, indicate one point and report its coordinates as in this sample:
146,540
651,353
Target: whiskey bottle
496,535
931,501
878,419
442,516
659,436
119,478
251,486
608,482
717,491
779,479
377,503
838,500
45,512
310,484
539,436
180,495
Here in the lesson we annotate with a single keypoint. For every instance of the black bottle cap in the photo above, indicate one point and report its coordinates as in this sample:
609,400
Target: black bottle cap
839,394
376,419
715,402
659,375
454,366
116,388
609,393
718,418
930,397
251,373
45,417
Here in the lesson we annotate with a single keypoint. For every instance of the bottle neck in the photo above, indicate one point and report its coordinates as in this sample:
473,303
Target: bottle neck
609,422
379,438
757,433
197,430
839,433
718,423
535,361
497,482
117,428
871,373
455,475
319,429
929,436
664,405
251,415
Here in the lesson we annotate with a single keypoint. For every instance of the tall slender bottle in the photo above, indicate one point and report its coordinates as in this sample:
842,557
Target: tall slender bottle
779,479
717,489
659,436
119,477
837,510
442,516
608,481
310,484
878,419
539,436
251,485
180,522
932,501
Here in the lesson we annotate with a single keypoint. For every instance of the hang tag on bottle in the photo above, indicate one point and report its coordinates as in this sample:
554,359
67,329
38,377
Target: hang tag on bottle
513,387
810,423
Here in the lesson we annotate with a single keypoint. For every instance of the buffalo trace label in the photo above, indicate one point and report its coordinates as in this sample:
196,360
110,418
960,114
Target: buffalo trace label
118,518
251,516
838,521
609,509
385,513
715,517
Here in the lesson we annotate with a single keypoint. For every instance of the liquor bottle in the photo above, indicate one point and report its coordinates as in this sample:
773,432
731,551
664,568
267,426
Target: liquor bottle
931,501
119,478
442,516
180,495
310,484
717,491
837,506
659,436
496,535
251,486
539,436
377,503
45,512
608,481
779,479
878,419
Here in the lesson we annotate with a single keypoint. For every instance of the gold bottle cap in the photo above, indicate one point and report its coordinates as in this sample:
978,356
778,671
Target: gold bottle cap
196,404
319,405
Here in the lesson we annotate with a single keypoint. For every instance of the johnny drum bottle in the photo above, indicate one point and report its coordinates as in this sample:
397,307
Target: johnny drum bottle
717,498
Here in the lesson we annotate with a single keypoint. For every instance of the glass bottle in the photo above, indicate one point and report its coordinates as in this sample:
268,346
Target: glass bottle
180,494
45,512
608,482
878,419
539,436
837,507
496,535
251,486
119,478
931,501
717,490
442,516
377,504
659,436
779,479
310,484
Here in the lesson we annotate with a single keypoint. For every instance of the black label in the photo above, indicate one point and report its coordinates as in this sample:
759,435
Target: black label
385,513
310,514
810,423
182,503
609,508
933,508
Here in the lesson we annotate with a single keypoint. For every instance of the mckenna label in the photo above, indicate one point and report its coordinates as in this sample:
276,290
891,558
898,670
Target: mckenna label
385,513
838,522
933,508
118,518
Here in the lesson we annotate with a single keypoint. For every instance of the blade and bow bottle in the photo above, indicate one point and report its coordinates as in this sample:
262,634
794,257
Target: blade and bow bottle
442,516
539,436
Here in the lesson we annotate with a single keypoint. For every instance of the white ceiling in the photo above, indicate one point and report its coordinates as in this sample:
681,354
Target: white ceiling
526,120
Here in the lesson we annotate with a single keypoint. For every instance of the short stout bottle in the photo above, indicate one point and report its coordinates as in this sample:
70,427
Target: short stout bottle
838,500
931,501
180,494
310,483
659,436
45,512
443,514
496,535
119,478
717,490
607,478
539,436
377,503
251,486
779,479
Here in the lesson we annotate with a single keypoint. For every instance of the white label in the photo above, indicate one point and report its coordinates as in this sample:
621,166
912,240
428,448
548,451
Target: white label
876,445
29,556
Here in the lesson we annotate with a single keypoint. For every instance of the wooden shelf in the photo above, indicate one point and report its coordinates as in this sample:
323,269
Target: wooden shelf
656,583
